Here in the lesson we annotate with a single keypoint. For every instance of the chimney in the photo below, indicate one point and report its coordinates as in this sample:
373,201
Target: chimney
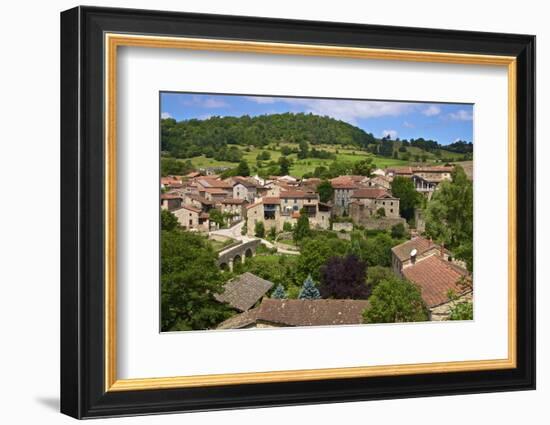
413,256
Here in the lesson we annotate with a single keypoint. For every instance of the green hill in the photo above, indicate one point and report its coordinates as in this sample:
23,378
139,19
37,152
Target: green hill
215,136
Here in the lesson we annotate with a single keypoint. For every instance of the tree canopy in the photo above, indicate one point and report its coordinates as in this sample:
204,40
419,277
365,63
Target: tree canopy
395,300
450,213
325,191
189,138
344,277
403,188
189,279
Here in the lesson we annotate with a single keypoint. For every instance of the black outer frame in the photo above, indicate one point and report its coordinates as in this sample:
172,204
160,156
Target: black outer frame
82,206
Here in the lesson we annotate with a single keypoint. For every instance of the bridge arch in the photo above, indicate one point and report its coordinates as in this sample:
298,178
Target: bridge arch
236,253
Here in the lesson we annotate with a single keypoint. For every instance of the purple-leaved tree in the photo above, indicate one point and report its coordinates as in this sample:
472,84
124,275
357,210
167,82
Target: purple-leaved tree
344,278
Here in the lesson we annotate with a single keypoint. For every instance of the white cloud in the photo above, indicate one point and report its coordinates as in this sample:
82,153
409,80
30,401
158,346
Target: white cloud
345,110
432,110
408,124
213,103
262,99
350,111
461,115
165,115
205,102
391,133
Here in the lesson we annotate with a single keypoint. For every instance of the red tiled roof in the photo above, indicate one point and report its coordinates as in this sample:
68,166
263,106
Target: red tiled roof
298,194
401,170
435,277
233,201
270,200
214,182
170,180
253,205
403,251
370,193
169,196
215,191
193,209
350,185
200,199
245,181
434,169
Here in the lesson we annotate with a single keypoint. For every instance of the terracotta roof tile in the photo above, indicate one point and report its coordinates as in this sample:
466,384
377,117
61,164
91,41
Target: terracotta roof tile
271,200
435,277
370,193
298,194
403,251
301,313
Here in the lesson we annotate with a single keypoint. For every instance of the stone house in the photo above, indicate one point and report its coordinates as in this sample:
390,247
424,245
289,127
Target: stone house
170,201
378,181
432,268
417,248
374,199
295,200
244,188
436,278
342,196
170,182
192,218
237,207
215,194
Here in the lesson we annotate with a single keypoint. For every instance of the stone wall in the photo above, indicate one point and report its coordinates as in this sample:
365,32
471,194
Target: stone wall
441,312
345,226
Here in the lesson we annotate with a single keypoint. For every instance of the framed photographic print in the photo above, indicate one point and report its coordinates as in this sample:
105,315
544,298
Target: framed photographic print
261,212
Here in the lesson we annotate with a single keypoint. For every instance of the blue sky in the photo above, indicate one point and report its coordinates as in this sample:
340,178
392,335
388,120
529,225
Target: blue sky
444,122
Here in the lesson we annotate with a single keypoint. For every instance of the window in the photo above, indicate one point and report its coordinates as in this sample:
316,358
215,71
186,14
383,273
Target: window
190,222
391,210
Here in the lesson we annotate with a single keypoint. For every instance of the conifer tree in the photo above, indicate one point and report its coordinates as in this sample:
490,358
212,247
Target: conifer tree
279,293
309,291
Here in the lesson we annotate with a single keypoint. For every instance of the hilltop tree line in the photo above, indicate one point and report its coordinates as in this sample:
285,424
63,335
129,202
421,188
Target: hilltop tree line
214,136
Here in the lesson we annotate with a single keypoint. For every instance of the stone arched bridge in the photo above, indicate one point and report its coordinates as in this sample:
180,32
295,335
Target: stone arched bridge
236,253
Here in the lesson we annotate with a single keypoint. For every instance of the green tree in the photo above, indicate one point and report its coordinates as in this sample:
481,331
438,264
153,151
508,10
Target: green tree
376,251
303,151
403,188
168,221
287,226
377,274
363,167
284,166
189,279
216,216
259,229
395,300
381,212
462,311
398,231
309,290
325,191
314,253
243,169
301,230
450,213
279,293
173,166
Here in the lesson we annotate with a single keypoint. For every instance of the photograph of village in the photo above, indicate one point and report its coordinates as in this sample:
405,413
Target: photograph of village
290,212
